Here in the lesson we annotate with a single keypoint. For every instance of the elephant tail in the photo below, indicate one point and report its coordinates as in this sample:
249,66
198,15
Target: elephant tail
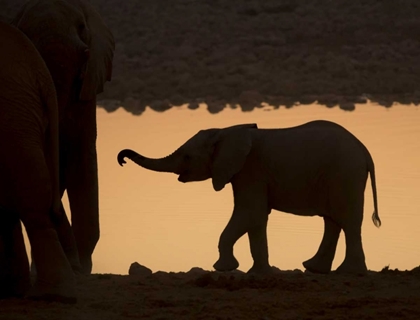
371,168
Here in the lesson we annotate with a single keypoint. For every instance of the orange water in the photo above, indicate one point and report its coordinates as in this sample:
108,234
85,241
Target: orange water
165,225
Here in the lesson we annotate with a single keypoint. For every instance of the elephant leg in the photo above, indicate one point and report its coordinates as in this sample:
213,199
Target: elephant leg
232,232
347,203
67,240
62,224
249,215
351,222
55,279
68,243
81,182
259,248
321,262
14,265
354,261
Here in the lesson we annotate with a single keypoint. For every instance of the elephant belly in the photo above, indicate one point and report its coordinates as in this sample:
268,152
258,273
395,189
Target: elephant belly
298,203
299,211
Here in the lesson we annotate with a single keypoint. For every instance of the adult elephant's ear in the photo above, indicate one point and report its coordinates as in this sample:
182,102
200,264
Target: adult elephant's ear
101,53
20,17
230,151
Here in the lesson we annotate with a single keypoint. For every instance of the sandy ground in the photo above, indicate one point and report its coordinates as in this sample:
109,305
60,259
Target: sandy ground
199,294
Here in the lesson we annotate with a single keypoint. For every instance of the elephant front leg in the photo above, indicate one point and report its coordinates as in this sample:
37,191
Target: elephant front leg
81,179
67,240
249,215
82,190
14,265
233,231
322,261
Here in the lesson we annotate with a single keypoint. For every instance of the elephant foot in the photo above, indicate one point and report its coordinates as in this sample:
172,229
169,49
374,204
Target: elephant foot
86,265
65,295
352,267
265,269
317,265
226,264
74,263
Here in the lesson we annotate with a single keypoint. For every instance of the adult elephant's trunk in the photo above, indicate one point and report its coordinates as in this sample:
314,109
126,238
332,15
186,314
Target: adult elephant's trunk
166,164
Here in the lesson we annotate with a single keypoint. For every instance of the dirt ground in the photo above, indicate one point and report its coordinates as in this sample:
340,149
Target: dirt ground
199,294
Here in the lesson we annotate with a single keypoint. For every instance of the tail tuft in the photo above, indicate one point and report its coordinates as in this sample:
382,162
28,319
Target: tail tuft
376,220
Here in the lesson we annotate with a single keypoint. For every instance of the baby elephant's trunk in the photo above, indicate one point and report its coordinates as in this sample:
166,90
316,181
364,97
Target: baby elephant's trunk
167,164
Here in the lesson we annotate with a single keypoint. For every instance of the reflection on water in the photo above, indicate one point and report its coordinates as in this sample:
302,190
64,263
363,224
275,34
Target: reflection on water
151,218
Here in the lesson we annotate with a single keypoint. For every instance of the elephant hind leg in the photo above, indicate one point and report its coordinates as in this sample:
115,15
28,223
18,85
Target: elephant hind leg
14,266
354,261
321,262
55,279
351,222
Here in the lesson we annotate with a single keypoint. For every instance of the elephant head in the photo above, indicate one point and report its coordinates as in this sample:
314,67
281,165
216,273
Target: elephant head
213,153
75,44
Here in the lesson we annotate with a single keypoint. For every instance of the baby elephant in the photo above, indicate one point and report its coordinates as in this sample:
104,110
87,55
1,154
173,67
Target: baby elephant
318,168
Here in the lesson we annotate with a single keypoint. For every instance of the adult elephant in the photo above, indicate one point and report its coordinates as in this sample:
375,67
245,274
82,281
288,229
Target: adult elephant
78,50
29,183
318,168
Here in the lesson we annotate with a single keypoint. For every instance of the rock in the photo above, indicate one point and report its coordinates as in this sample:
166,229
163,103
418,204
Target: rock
197,271
137,269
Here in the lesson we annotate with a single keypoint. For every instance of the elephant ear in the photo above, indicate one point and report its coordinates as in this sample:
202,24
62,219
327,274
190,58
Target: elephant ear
231,148
19,18
101,53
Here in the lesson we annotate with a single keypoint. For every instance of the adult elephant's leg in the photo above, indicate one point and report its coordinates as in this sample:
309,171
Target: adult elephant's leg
321,262
82,179
14,265
68,243
63,228
55,278
67,240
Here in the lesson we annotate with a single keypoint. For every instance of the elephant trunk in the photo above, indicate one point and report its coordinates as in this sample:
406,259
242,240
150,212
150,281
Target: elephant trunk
166,164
